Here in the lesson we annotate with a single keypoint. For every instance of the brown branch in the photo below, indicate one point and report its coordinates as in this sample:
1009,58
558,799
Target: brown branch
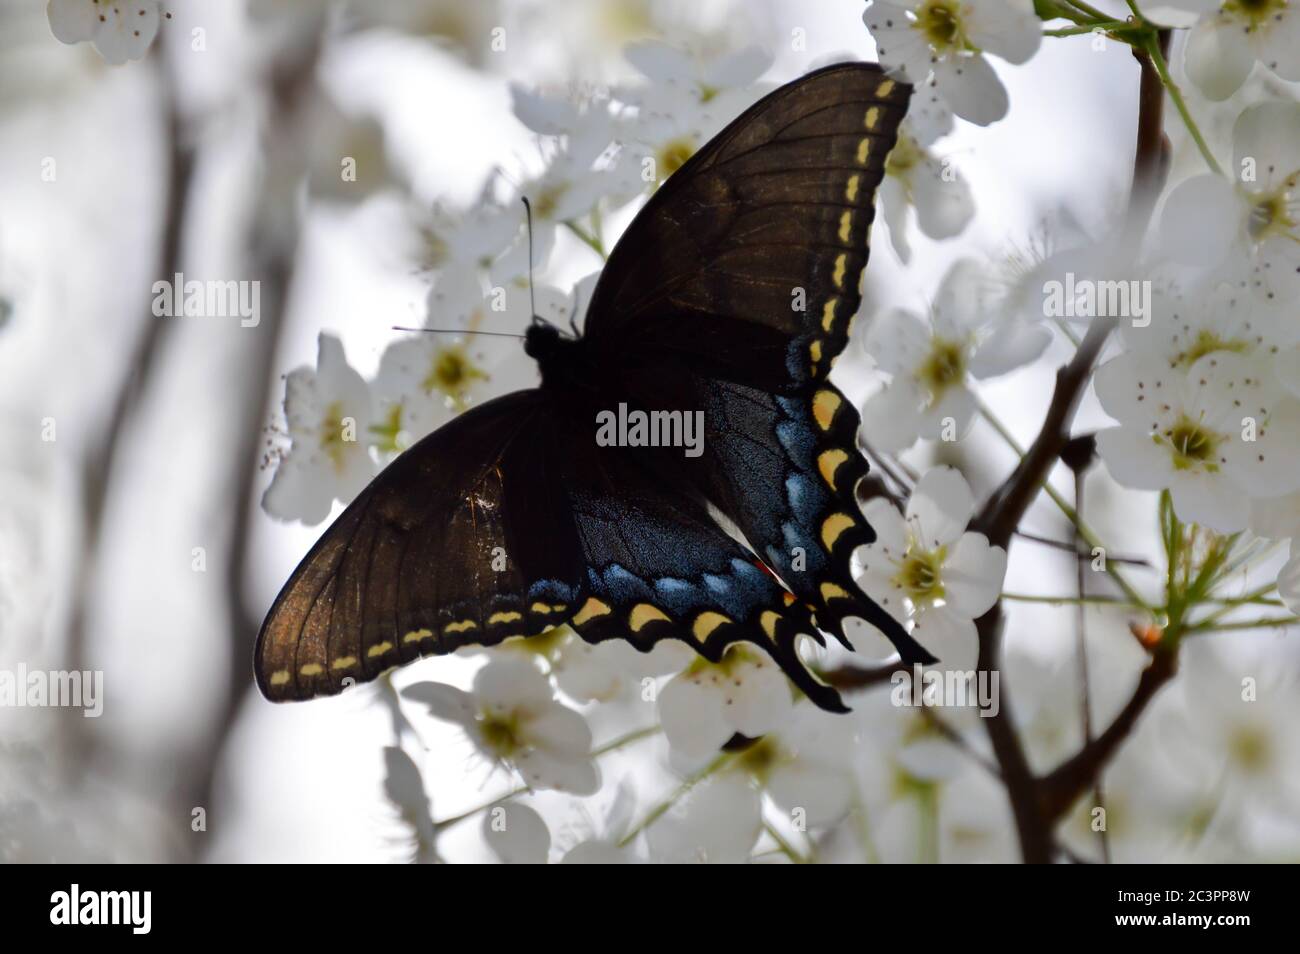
850,677
272,248
1063,786
1006,508
97,468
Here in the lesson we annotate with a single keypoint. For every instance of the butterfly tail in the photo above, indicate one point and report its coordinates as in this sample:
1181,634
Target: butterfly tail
842,599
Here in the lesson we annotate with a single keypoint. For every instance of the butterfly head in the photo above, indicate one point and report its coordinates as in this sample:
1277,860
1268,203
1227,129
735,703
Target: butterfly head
556,353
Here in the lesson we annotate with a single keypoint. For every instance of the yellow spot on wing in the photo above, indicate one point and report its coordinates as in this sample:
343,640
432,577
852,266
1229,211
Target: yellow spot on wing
828,461
825,404
873,117
460,627
846,223
838,277
642,614
815,352
828,312
312,669
540,608
851,190
706,623
832,592
768,621
509,617
279,677
344,662
885,88
864,150
415,635
833,526
590,610
379,649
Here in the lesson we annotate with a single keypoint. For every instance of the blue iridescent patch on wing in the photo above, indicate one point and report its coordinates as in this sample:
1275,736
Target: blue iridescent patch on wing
621,585
552,590
680,596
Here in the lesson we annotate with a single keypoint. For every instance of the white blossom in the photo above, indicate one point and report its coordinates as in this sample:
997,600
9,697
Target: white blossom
512,718
942,43
1230,36
119,30
702,707
915,178
1252,222
926,568
1213,433
328,412
932,361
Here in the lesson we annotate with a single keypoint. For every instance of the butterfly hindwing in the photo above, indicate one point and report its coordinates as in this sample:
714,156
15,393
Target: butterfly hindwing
746,263
659,567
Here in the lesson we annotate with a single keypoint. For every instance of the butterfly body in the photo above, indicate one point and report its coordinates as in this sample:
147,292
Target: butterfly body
722,306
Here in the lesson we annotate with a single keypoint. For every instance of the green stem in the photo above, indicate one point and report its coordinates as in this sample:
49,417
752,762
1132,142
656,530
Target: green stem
659,810
1070,600
1083,29
786,848
592,241
1152,47
1087,9
1268,622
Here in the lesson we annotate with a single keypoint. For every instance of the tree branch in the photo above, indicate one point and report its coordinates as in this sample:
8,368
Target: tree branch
1061,787
1006,508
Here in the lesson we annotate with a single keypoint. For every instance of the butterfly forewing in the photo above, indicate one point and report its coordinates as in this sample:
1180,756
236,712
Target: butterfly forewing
747,262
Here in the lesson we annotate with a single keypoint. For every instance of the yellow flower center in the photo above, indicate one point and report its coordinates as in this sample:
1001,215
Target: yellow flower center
1269,215
335,434
1193,446
673,155
1208,342
760,759
734,658
906,155
500,734
940,23
388,431
547,200
921,574
1251,748
452,373
1256,13
943,367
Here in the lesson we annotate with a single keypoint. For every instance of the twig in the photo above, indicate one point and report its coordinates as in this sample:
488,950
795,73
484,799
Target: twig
1061,787
1005,509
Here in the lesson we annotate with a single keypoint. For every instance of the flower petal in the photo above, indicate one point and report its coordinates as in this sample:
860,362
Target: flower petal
940,507
516,834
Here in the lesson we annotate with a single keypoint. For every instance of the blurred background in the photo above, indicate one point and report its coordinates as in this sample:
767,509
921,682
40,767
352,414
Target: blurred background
136,448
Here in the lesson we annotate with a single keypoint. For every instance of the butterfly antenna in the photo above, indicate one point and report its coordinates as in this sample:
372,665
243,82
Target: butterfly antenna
528,215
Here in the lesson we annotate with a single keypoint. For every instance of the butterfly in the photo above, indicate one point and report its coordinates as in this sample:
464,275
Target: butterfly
728,297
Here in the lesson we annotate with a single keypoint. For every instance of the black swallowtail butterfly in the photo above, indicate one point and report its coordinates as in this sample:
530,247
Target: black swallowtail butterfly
696,310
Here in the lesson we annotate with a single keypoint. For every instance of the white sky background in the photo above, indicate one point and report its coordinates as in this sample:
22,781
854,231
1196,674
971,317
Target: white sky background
302,782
